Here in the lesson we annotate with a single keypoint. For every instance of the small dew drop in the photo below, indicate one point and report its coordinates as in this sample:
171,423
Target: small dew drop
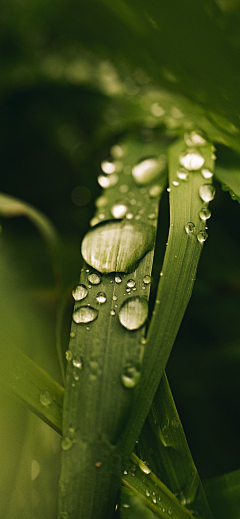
108,181
66,443
168,189
68,355
130,376
133,313
202,236
143,340
204,214
123,188
72,334
116,151
94,279
119,210
85,314
112,312
77,362
175,183
155,191
79,292
144,468
126,505
147,493
189,227
129,216
147,280
125,472
152,216
154,500
207,192
101,297
131,283
75,375
114,298
191,159
206,173
118,279
101,201
108,167
148,169
157,110
182,173
46,398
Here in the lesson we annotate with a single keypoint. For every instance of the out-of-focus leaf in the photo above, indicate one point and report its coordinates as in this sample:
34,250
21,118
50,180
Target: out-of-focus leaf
230,180
223,494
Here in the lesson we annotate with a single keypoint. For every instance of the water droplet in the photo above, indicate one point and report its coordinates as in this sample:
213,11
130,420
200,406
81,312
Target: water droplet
125,472
206,173
79,292
75,375
101,201
35,469
118,279
112,312
72,334
68,355
101,297
152,216
147,493
194,138
168,189
108,167
157,110
175,183
94,221
94,278
207,192
123,188
147,280
129,216
182,173
114,298
143,340
119,210
144,467
77,362
202,236
117,246
133,313
130,376
84,314
46,398
191,159
66,443
148,169
155,191
154,500
116,151
131,283
126,505
204,214
189,227
109,181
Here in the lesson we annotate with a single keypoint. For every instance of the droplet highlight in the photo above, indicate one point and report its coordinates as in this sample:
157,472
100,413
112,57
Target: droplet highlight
119,210
131,283
149,169
101,297
202,236
206,173
207,192
77,362
79,292
182,174
204,214
94,279
189,227
130,376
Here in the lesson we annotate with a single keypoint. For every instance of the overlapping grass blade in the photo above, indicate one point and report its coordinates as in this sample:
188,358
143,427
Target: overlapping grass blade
104,356
175,287
223,493
162,443
230,180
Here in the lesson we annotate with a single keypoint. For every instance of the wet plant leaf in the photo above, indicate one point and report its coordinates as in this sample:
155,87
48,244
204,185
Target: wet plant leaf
230,180
223,495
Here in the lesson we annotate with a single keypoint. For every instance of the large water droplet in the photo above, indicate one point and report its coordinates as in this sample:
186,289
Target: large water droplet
191,159
147,280
194,138
202,236
148,169
101,297
144,467
133,313
117,246
84,314
189,227
118,279
206,173
94,278
204,214
182,173
46,398
79,292
130,376
119,210
207,192
66,443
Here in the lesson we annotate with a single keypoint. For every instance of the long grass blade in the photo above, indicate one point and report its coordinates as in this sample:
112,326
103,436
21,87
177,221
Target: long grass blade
223,493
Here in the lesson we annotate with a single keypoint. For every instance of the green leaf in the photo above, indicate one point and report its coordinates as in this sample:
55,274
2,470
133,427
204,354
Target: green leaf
175,287
223,493
230,180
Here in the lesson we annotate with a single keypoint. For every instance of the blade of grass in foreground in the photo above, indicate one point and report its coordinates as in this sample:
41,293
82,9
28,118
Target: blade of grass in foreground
169,456
185,243
106,347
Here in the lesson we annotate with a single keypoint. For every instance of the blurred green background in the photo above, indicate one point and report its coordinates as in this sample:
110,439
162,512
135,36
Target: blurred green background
75,78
